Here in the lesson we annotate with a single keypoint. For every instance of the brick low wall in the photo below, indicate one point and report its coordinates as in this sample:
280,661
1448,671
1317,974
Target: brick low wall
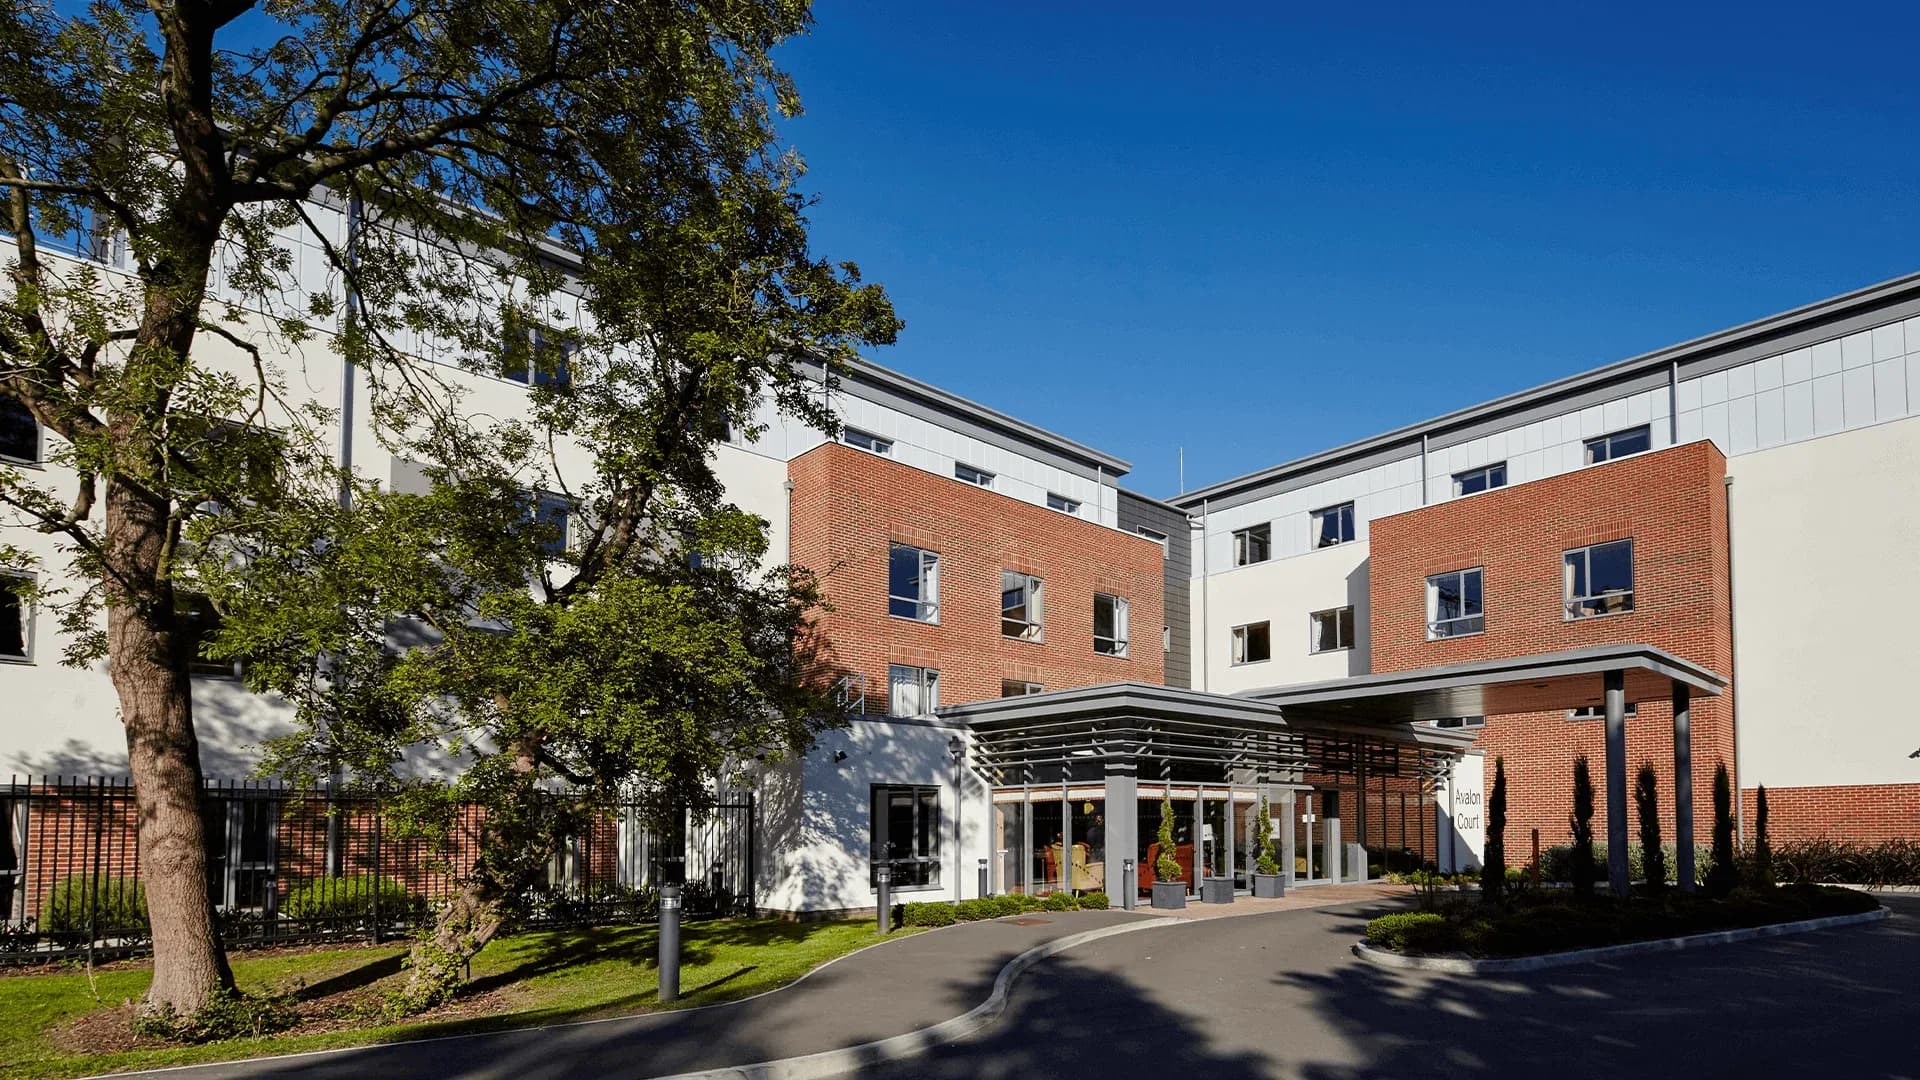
1857,813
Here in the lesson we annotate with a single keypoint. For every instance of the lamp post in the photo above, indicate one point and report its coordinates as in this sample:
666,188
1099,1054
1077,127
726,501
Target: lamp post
959,751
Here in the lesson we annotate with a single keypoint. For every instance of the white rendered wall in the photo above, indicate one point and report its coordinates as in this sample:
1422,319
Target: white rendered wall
1826,541
1284,592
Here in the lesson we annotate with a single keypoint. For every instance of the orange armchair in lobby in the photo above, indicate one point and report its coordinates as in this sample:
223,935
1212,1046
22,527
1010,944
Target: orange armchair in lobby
1182,854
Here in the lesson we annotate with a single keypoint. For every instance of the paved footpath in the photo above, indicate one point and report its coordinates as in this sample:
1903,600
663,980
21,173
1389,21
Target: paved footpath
890,989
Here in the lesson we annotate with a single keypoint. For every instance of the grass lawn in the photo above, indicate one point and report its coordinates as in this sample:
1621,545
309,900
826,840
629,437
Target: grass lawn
57,1024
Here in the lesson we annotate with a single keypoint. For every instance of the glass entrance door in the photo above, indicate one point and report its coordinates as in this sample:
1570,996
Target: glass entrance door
1309,839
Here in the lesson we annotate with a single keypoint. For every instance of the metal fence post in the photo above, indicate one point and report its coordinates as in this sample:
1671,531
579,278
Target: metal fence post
669,965
379,820
753,898
883,877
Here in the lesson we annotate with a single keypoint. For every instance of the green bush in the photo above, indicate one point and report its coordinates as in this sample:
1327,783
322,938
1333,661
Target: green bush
1095,901
350,897
228,1014
973,910
1894,862
1060,901
78,904
1556,863
1391,931
929,913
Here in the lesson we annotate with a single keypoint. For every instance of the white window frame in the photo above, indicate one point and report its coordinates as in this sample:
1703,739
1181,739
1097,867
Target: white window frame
969,474
1026,687
1570,602
1343,515
1344,643
28,611
1604,444
39,439
866,440
1117,644
1599,712
926,605
1244,540
1240,636
1485,474
926,683
1465,624
926,802
1034,590
1057,501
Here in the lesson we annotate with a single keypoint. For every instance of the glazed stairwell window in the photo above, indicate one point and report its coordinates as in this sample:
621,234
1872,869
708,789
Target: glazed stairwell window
913,583
1456,604
1598,579
1109,625
906,835
1021,599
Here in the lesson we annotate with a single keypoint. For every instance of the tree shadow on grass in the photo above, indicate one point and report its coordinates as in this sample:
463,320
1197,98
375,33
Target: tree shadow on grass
354,978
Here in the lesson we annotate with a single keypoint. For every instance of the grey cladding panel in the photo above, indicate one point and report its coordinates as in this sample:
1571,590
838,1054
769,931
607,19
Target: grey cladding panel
1136,513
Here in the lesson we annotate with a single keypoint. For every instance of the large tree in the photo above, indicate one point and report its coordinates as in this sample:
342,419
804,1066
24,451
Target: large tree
488,153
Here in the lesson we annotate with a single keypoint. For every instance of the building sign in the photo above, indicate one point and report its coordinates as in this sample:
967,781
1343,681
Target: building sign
1461,806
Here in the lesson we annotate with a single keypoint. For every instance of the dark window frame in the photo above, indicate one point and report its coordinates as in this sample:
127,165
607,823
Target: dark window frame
926,606
1606,448
1252,540
1344,630
1240,640
924,865
1346,525
1489,477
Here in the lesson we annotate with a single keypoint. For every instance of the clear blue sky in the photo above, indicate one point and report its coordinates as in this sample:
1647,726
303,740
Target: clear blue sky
1262,236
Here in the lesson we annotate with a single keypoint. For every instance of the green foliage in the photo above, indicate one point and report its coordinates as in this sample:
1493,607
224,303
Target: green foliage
1646,802
349,897
1060,901
1095,901
1874,866
228,1014
1581,869
80,904
928,913
1724,875
1762,845
1556,862
1394,931
1493,869
1267,854
1166,866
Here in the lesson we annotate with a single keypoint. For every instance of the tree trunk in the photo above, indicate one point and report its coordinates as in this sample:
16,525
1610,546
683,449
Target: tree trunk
438,962
149,670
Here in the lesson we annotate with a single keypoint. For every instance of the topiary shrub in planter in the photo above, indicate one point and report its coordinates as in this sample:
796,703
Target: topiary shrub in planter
1267,880
1169,888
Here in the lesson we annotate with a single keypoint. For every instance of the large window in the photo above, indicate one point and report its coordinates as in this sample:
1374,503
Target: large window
1020,605
1485,478
1455,604
1109,625
1619,444
533,352
16,616
913,584
866,441
1253,544
242,838
912,691
197,621
970,475
1598,580
1253,643
19,434
1334,525
1332,629
906,835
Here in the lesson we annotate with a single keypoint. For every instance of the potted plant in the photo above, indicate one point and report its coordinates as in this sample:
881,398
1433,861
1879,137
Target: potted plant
1169,888
1267,882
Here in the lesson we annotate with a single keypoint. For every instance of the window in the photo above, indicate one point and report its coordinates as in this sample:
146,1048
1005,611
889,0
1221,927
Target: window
866,441
1020,605
912,691
1598,580
1619,444
913,583
197,621
1334,525
969,474
533,352
1062,503
906,835
1252,643
1109,625
1455,604
1011,688
1253,544
1332,629
554,515
1599,712
1154,535
1485,478
19,434
241,838
13,853
1461,721
16,616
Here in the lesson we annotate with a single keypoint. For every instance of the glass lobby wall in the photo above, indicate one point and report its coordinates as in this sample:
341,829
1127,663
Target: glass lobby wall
1042,860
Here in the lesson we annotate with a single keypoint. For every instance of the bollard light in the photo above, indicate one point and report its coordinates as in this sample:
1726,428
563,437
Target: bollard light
984,884
669,943
883,875
1129,885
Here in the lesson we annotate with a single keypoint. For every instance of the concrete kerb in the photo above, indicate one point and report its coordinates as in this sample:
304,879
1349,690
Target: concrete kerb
1460,965
913,1044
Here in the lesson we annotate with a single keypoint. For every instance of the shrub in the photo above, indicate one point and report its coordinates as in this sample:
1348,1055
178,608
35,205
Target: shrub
928,913
1095,901
81,903
1060,901
975,910
1724,876
1393,931
1268,861
1493,870
1646,799
228,1014
1762,849
350,897
1580,868
1166,868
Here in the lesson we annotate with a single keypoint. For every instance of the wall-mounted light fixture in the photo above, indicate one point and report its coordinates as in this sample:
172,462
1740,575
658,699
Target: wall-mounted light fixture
839,755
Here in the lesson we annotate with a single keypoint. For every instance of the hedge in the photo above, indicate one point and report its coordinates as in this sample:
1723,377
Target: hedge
945,913
1392,931
79,904
350,897
1893,862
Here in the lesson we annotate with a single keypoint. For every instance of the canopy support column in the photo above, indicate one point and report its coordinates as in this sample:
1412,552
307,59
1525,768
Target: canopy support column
1616,687
1683,784
1123,827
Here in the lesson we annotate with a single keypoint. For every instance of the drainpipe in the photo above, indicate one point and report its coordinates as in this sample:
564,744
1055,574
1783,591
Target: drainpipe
1733,711
1206,609
1423,468
1673,403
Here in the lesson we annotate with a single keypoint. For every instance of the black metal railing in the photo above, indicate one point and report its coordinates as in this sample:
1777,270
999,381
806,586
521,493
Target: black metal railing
288,865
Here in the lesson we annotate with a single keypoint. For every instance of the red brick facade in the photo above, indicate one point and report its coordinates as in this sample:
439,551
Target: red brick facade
1856,813
1672,504
849,506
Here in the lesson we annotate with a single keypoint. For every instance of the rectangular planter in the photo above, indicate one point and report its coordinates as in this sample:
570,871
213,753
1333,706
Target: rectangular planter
1269,886
1216,890
1170,895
